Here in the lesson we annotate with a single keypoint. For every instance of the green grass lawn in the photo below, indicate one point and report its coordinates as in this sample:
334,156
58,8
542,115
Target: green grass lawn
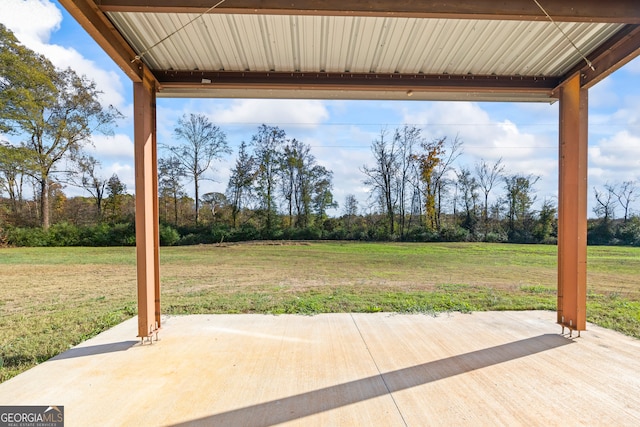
54,298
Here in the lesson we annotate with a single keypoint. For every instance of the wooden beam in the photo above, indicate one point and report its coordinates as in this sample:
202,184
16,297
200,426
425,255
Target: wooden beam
93,20
613,11
147,226
613,55
355,81
572,206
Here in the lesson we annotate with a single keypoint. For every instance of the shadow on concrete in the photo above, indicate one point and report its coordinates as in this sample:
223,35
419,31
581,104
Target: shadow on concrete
325,399
95,349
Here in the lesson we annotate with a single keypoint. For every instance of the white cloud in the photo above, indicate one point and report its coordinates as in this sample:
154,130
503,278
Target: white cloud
116,147
125,173
107,82
486,138
302,112
613,160
619,154
33,22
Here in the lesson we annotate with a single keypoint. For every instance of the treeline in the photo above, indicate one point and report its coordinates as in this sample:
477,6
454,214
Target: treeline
277,190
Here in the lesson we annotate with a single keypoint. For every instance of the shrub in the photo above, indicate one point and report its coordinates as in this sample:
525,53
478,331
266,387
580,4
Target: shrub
3,237
307,233
188,239
629,233
122,234
245,233
63,234
496,237
454,234
168,235
421,234
600,233
27,237
219,233
96,235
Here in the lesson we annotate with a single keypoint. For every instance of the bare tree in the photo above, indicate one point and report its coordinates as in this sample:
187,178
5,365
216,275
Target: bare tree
605,204
204,143
382,177
407,138
87,176
488,175
626,193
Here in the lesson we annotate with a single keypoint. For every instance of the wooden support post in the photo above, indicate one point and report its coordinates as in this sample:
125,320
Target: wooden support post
572,206
147,226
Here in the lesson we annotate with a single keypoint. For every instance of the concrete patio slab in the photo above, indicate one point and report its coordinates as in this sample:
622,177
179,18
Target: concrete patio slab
487,368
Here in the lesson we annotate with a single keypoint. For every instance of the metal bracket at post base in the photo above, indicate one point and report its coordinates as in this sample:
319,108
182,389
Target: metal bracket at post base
569,325
149,337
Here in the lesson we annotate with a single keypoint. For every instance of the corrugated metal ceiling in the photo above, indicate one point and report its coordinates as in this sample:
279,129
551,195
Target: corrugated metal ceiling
358,44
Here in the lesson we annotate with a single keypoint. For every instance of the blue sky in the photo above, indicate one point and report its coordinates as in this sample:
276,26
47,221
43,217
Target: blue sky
340,132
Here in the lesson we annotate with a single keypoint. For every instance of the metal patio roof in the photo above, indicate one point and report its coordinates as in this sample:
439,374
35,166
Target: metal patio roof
520,50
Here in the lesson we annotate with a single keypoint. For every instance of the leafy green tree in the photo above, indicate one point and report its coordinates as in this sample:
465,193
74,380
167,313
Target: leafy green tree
267,144
170,175
468,187
15,162
547,222
295,158
302,181
56,111
322,195
435,161
519,198
26,82
204,142
116,191
239,188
